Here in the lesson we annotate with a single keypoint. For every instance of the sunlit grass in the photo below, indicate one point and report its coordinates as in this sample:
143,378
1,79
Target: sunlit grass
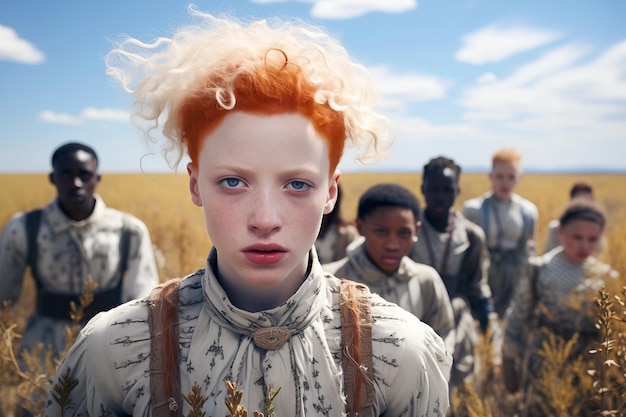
178,232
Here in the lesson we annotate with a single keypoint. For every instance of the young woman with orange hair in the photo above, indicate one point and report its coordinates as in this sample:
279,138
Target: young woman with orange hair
263,111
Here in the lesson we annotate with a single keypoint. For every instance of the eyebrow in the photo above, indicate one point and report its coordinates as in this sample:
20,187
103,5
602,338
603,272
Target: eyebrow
287,173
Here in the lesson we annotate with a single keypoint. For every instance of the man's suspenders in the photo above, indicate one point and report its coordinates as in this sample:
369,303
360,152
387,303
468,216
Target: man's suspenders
58,305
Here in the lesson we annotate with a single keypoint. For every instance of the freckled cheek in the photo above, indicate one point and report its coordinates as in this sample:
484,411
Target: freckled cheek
220,217
309,220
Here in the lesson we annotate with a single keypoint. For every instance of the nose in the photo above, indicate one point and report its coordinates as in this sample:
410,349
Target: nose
587,246
265,214
392,242
77,182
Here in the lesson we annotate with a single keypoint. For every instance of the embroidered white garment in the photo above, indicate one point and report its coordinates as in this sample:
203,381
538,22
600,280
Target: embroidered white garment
111,357
302,367
561,294
68,252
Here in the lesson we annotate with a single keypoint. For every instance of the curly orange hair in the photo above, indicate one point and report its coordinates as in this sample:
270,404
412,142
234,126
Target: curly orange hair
275,86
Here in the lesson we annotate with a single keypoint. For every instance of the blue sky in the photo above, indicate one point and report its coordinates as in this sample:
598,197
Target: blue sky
458,78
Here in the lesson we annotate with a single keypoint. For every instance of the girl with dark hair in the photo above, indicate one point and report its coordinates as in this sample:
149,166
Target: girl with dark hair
556,295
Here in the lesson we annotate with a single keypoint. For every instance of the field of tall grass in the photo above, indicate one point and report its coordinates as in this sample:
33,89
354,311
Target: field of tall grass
178,233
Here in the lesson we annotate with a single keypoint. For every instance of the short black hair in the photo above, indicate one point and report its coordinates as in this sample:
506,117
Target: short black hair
388,195
72,147
440,163
583,209
580,187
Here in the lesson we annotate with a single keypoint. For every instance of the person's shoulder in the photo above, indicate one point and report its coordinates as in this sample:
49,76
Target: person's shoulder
527,205
473,203
131,219
471,208
350,231
15,228
424,276
420,270
336,267
470,227
128,220
123,332
16,220
543,259
407,345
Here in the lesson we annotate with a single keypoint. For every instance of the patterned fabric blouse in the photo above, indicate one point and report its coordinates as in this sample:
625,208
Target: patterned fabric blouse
560,296
417,288
68,252
110,360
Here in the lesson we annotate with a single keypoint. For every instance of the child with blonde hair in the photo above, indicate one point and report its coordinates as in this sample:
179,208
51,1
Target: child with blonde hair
510,225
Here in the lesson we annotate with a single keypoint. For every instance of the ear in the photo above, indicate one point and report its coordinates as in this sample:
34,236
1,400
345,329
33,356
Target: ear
51,178
331,198
359,226
418,224
193,184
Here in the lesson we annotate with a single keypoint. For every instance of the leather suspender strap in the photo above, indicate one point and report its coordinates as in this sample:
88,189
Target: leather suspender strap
165,392
124,248
356,346
356,334
56,305
33,219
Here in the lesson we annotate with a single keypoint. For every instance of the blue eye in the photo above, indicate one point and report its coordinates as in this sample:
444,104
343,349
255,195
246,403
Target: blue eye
299,185
231,182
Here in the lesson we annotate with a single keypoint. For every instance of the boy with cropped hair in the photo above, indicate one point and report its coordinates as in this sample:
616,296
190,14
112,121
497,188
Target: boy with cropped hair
388,219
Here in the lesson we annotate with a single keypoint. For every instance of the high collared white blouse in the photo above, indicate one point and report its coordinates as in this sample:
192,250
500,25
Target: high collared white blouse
110,360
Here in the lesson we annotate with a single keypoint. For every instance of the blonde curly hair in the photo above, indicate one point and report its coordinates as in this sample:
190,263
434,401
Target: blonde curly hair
186,84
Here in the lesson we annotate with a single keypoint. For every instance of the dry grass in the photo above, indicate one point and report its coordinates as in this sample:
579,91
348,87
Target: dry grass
581,387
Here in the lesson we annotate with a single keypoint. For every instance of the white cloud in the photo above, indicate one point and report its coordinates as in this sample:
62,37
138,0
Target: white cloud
112,115
347,9
563,109
88,114
13,48
487,78
495,43
399,90
556,92
58,118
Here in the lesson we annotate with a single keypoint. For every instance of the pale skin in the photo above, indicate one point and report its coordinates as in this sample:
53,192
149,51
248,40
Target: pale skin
263,182
579,239
504,177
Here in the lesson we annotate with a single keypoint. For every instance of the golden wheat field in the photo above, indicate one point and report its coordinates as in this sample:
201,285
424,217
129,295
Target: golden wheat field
177,230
